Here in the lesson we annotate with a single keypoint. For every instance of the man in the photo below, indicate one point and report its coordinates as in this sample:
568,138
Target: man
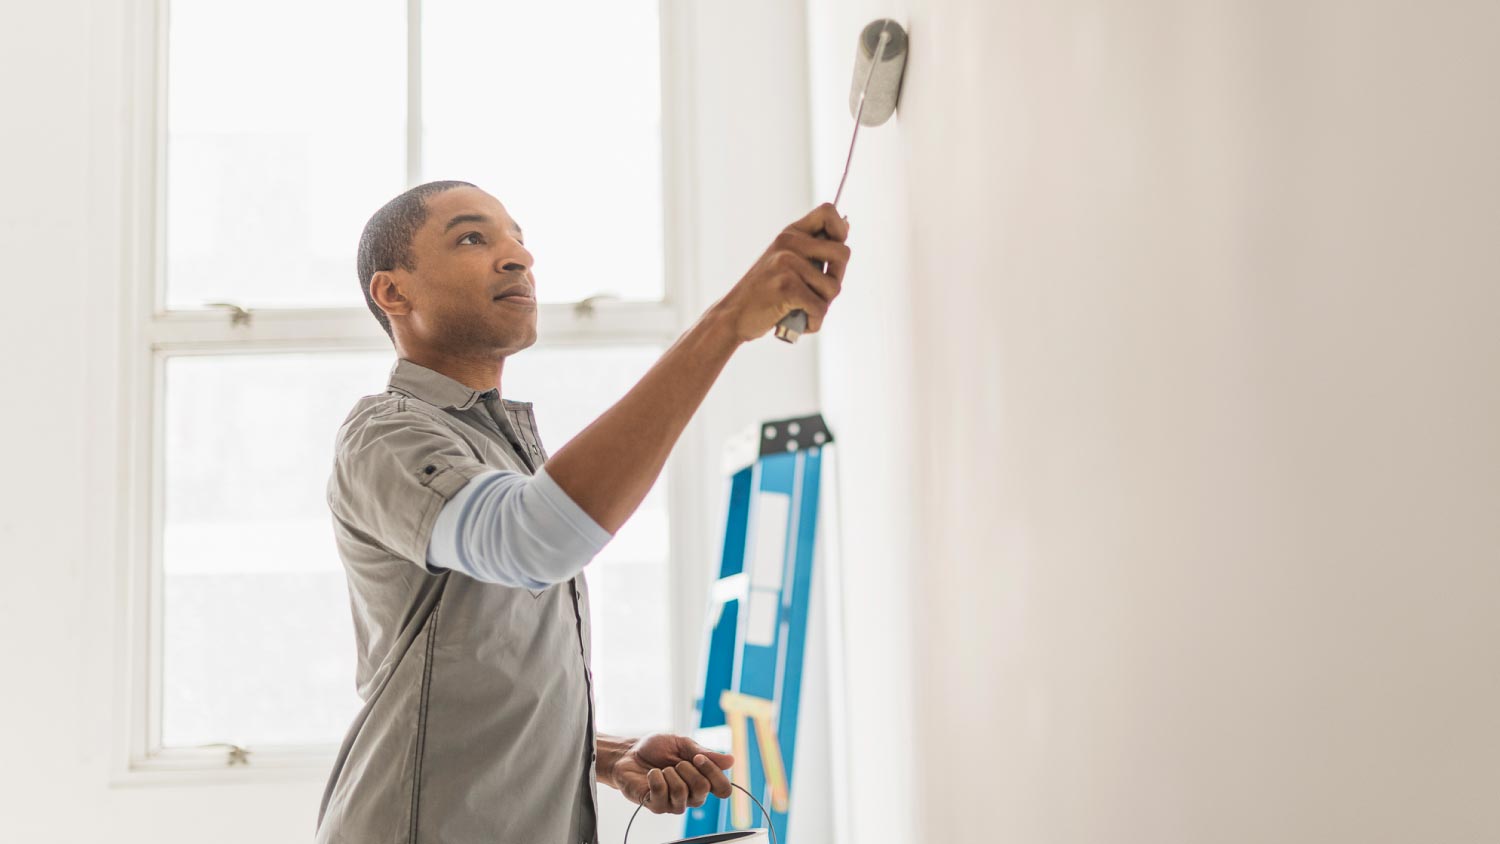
465,555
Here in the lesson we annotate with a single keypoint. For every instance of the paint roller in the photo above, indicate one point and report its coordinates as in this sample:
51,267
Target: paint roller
879,60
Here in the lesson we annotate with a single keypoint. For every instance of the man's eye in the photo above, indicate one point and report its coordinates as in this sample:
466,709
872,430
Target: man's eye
469,235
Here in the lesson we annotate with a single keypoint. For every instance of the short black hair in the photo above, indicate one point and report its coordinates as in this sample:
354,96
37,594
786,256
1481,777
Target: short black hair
385,243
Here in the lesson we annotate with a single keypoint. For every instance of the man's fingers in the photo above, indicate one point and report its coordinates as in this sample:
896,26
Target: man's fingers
722,761
677,789
824,286
820,290
659,799
697,783
718,783
824,218
822,250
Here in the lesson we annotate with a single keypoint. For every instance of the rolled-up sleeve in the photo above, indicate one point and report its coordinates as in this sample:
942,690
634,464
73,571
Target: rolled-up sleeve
393,472
504,527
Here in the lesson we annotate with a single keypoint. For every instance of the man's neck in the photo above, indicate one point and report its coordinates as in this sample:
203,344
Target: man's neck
476,374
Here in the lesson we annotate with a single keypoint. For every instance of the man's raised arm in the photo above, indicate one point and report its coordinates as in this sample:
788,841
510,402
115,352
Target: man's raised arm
610,466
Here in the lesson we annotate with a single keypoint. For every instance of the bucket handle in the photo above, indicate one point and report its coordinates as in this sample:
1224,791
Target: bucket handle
763,813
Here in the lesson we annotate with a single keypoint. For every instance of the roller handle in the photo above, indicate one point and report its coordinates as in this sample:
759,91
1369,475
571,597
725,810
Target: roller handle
793,324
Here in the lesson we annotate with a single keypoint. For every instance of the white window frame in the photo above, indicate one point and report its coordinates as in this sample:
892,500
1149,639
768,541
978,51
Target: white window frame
149,335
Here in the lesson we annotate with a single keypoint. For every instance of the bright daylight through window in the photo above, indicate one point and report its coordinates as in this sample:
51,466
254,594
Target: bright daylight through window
272,169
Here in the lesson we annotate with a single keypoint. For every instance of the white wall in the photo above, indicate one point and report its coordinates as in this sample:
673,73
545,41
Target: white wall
1201,380
61,164
865,361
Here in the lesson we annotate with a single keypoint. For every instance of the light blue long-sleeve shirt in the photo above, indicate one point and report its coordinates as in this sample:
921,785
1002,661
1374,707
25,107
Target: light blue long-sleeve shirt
516,530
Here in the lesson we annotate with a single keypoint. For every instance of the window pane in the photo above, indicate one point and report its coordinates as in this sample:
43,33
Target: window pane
286,130
257,635
628,580
555,109
258,641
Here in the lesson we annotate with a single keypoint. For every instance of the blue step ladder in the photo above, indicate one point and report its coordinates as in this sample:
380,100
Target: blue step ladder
757,627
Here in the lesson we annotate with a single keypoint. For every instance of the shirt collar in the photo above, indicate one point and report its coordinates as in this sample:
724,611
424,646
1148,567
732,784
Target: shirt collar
434,387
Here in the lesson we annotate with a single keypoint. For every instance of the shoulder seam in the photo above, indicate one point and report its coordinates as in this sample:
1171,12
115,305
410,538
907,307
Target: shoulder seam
400,406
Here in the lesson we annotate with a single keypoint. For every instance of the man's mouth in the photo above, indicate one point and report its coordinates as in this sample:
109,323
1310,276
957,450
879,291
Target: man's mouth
520,293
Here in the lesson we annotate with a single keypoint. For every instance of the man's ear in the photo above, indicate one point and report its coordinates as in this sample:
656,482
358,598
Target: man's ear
386,291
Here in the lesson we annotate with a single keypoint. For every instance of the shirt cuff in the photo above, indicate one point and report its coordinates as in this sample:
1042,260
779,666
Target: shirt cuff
543,484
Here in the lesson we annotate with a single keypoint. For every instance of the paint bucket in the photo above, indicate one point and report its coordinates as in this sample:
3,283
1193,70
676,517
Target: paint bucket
745,836
750,836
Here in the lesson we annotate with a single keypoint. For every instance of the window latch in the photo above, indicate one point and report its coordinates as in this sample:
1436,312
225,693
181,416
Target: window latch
237,314
237,755
585,308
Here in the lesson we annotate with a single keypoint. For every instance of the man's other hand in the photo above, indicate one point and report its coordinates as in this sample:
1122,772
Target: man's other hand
670,773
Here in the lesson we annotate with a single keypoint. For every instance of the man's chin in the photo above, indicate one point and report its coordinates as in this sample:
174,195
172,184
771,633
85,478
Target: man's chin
517,339
526,342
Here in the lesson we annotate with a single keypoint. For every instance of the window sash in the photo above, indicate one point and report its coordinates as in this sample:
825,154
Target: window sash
676,163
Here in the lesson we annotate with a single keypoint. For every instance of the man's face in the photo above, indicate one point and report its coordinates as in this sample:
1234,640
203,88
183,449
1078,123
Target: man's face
473,291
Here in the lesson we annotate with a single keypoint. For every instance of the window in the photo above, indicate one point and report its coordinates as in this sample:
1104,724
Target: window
251,340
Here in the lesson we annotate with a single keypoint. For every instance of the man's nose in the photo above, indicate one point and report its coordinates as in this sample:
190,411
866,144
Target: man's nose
516,260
